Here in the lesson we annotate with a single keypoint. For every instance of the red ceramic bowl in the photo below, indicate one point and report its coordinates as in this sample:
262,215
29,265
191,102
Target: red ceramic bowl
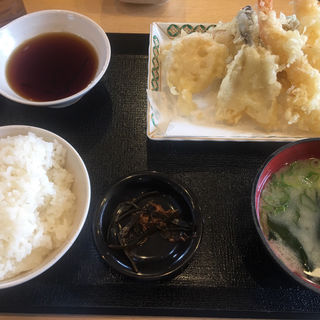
299,150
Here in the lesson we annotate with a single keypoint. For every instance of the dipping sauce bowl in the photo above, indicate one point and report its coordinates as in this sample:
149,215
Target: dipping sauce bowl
34,24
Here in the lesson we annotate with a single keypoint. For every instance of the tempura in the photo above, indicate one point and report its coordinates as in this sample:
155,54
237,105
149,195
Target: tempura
259,67
193,63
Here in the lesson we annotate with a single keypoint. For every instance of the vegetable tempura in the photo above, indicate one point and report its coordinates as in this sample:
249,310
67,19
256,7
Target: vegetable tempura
259,67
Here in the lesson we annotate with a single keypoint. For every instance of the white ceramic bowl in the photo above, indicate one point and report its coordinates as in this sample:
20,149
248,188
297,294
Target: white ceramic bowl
33,24
81,188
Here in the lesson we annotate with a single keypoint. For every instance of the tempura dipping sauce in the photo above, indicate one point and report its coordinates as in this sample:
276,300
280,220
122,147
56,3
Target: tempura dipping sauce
51,66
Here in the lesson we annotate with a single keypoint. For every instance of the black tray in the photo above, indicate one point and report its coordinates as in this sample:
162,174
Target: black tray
231,274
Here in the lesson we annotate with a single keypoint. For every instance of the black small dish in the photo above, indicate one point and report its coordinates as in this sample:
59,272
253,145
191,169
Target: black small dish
157,257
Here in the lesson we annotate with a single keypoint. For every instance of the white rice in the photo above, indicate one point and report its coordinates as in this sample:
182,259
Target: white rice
36,202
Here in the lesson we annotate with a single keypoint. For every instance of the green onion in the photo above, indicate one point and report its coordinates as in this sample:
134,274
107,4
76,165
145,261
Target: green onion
311,177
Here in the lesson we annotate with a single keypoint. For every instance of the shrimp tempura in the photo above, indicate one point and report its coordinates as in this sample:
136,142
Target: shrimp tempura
285,44
302,81
308,13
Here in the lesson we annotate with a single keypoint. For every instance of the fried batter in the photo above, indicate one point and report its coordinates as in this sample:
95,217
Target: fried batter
302,96
263,67
246,91
193,62
308,13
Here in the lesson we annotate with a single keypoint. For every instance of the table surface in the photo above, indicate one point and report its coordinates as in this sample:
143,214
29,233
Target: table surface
117,17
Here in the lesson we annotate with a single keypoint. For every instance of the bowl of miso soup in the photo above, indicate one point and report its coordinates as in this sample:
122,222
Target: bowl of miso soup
51,58
286,209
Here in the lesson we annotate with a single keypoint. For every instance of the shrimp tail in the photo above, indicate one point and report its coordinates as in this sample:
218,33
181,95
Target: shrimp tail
265,6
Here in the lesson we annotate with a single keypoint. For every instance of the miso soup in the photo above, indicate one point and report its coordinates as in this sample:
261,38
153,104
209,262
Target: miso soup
290,211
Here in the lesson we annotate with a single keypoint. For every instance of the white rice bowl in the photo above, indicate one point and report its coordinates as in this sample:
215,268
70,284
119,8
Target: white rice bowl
44,201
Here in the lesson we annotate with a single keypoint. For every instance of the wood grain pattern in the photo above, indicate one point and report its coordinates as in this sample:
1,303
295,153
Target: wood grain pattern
118,17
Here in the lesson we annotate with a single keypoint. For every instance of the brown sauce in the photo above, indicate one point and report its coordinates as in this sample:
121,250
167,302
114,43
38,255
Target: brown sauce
51,66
